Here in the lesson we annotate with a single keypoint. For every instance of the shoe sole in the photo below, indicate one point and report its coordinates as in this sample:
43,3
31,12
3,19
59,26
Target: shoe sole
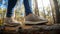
40,22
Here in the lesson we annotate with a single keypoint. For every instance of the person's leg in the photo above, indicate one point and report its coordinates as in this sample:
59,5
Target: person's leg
11,4
9,16
30,17
28,6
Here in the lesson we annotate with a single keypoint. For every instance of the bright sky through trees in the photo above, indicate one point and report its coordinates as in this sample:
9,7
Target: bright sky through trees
3,3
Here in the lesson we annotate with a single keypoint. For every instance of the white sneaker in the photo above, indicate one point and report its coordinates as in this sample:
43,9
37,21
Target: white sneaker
34,19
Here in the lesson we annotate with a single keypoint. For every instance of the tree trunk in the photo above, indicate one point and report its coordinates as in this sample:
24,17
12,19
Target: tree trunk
36,8
57,11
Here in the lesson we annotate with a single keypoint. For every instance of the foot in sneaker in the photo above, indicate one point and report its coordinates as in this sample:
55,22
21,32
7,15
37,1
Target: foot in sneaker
12,22
34,19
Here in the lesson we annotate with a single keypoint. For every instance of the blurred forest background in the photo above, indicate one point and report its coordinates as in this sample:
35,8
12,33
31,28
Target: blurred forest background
42,8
